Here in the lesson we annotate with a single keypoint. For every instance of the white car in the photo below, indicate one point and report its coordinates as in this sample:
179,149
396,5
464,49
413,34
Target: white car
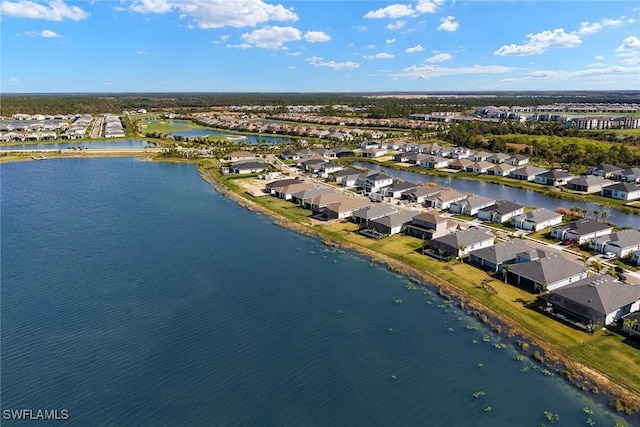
609,255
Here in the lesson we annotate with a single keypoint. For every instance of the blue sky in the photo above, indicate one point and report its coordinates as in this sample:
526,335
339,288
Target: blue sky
316,46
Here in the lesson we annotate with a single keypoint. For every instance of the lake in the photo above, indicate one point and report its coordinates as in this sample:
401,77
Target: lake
125,144
241,138
134,294
504,192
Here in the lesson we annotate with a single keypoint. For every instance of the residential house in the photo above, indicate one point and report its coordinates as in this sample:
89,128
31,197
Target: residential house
434,162
593,301
545,274
500,169
605,171
344,152
402,157
393,223
580,232
471,205
343,207
537,219
444,198
429,225
363,215
588,183
622,191
289,155
281,183
247,166
517,160
460,164
481,167
527,173
479,156
346,177
622,243
555,177
313,165
319,202
374,152
373,181
330,167
502,211
461,242
235,156
494,257
302,197
631,175
398,188
498,158
635,258
460,153
286,191
421,193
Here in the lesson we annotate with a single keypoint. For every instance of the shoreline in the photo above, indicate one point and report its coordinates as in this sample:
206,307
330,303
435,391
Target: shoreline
582,376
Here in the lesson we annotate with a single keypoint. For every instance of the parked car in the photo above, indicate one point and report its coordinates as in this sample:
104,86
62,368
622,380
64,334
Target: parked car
622,277
618,269
609,255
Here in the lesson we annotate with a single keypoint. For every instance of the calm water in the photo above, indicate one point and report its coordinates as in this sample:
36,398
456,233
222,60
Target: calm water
133,294
246,138
524,197
105,144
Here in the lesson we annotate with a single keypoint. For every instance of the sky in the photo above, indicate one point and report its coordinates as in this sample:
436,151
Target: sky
62,46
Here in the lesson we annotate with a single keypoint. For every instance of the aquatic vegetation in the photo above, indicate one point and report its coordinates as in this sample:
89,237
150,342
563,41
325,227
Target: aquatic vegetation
590,421
551,416
486,338
488,409
410,287
390,329
450,329
393,377
475,341
428,302
398,300
547,372
481,365
472,327
499,346
525,369
477,394
519,357
587,410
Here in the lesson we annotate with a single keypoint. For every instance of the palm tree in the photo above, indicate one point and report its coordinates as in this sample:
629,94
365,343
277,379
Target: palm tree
461,249
597,213
596,265
505,270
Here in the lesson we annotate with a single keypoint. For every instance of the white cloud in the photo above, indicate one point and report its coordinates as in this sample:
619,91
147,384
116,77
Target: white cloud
270,37
219,13
448,24
53,10
317,61
428,6
48,34
540,42
439,57
612,71
142,52
415,49
594,27
395,25
381,55
316,37
393,11
427,72
391,41
629,50
598,57
293,53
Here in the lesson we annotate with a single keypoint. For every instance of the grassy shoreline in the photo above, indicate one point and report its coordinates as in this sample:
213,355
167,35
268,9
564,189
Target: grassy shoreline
600,362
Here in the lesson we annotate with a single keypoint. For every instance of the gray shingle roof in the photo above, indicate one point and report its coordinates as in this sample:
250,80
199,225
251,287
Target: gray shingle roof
497,254
538,215
603,294
584,226
547,270
502,207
